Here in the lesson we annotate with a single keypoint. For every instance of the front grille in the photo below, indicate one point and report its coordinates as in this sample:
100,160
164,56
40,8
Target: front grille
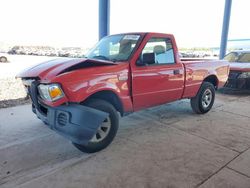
231,83
33,92
62,119
234,74
43,109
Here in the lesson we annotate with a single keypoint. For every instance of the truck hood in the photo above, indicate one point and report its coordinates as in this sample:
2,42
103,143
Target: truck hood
240,66
52,68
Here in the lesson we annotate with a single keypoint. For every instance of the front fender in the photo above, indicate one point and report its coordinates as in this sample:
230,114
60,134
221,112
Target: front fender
85,93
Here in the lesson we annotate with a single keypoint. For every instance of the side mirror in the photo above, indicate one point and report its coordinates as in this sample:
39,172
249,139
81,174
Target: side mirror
148,58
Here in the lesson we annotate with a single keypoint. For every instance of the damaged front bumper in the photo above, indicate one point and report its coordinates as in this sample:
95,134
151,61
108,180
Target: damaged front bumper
236,82
75,122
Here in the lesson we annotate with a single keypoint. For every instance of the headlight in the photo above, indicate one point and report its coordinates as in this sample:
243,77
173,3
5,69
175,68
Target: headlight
50,92
244,75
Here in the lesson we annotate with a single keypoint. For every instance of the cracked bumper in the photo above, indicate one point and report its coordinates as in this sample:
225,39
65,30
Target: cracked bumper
238,83
75,122
235,82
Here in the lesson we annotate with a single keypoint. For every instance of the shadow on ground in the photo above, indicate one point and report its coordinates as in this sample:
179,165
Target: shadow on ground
229,91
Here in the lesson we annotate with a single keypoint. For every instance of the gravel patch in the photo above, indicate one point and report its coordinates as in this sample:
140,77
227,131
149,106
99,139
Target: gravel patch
12,92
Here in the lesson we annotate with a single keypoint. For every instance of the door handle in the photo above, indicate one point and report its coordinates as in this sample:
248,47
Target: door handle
177,71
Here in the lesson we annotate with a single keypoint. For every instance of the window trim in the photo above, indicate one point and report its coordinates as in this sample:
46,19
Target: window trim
158,64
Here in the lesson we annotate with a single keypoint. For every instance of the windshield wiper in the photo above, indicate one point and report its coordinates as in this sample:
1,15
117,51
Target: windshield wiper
102,57
115,60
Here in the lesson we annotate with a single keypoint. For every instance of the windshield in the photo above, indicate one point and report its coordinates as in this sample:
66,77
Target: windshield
242,57
114,48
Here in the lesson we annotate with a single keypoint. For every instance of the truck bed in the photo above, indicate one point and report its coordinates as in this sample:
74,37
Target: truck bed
198,69
197,59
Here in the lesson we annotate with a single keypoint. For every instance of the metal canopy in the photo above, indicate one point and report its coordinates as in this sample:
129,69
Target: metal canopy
104,23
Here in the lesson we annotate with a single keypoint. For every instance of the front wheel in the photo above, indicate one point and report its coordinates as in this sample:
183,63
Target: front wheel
107,130
204,99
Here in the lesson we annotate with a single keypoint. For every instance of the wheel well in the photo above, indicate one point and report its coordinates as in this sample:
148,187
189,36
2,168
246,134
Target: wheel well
110,97
212,79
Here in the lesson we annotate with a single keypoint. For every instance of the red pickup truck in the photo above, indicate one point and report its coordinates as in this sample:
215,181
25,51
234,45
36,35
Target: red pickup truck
82,98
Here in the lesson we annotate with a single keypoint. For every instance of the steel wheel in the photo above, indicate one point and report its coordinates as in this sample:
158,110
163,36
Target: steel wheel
204,99
107,130
207,98
102,131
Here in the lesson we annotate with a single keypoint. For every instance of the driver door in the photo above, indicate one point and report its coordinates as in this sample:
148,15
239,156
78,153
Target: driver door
160,81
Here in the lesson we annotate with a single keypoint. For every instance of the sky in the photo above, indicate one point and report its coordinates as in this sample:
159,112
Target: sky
195,23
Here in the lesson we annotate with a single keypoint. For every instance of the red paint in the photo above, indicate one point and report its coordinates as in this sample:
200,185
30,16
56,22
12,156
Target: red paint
146,86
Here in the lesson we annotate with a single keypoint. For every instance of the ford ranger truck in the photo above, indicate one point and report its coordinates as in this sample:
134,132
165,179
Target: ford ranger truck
82,98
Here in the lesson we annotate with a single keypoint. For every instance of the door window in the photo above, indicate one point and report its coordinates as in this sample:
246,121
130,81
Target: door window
162,49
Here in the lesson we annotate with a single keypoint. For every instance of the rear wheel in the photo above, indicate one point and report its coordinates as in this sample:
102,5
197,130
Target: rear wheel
204,99
107,130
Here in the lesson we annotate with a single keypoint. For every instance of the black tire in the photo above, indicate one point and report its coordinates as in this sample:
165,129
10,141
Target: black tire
3,59
102,105
197,103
